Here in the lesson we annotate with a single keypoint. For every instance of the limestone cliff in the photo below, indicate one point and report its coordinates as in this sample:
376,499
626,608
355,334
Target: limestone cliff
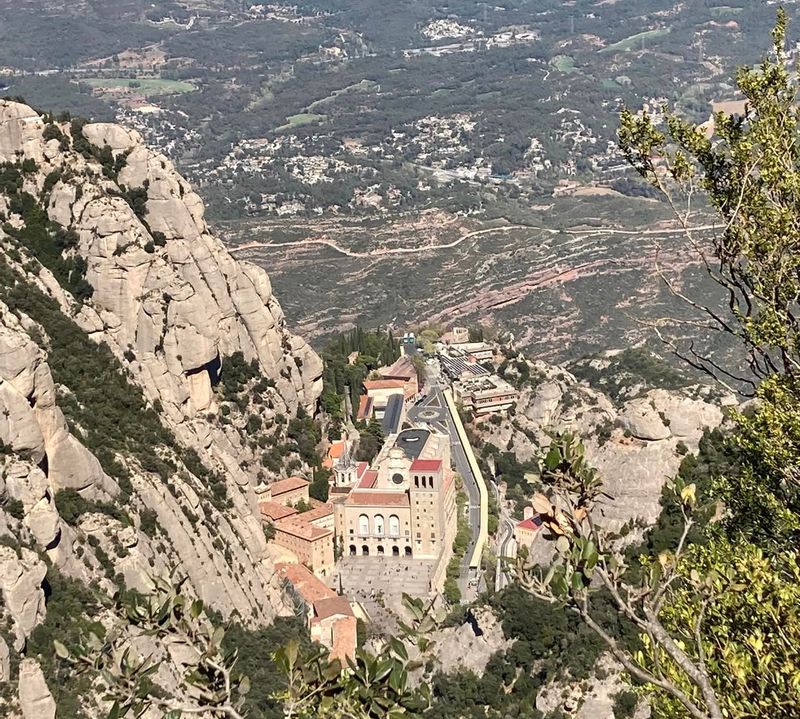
147,378
636,439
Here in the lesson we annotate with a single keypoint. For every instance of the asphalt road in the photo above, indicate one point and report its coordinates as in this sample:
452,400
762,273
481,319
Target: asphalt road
432,410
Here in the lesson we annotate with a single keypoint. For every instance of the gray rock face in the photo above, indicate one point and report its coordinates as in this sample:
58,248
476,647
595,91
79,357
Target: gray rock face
173,306
35,698
21,587
634,467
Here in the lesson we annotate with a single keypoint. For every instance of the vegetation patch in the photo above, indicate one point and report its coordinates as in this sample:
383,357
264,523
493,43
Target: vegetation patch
141,85
636,41
301,119
563,63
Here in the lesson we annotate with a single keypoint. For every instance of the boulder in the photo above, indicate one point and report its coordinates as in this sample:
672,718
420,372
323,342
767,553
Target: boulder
21,586
643,421
35,698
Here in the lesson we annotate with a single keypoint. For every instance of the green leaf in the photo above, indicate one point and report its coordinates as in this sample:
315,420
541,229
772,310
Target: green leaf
383,668
61,651
399,648
218,636
553,458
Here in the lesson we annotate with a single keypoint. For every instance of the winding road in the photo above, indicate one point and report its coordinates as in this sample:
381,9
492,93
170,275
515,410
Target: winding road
587,232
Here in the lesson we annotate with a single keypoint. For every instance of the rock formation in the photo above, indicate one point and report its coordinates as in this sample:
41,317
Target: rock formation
636,443
124,253
35,698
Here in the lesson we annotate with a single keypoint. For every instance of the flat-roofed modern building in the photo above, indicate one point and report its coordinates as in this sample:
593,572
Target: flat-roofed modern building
483,395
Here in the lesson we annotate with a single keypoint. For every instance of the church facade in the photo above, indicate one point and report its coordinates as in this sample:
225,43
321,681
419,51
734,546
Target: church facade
404,506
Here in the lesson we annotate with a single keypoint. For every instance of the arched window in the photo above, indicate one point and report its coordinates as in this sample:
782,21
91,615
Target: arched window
380,549
363,525
352,550
394,525
365,550
408,551
395,551
379,528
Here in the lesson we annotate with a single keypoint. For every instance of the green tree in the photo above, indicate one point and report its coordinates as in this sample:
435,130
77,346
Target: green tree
211,682
717,619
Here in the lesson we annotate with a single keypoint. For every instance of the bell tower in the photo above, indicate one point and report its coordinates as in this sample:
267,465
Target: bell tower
344,471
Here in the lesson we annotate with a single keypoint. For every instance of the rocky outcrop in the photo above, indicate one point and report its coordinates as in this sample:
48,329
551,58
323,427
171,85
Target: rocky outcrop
20,132
35,698
636,444
31,422
21,588
472,644
176,310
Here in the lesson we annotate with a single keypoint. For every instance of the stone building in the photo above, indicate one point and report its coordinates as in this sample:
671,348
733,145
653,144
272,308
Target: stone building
329,617
404,506
307,535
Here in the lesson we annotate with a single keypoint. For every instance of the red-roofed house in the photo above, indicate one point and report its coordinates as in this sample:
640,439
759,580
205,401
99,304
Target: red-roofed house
379,390
290,490
312,545
334,625
308,535
274,511
403,369
526,530
329,616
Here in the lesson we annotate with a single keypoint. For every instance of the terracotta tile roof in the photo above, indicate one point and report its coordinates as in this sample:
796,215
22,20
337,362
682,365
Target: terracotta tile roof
377,499
309,532
336,449
309,587
325,509
275,511
403,368
426,465
334,452
331,606
384,384
532,523
369,479
288,485
361,467
364,407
